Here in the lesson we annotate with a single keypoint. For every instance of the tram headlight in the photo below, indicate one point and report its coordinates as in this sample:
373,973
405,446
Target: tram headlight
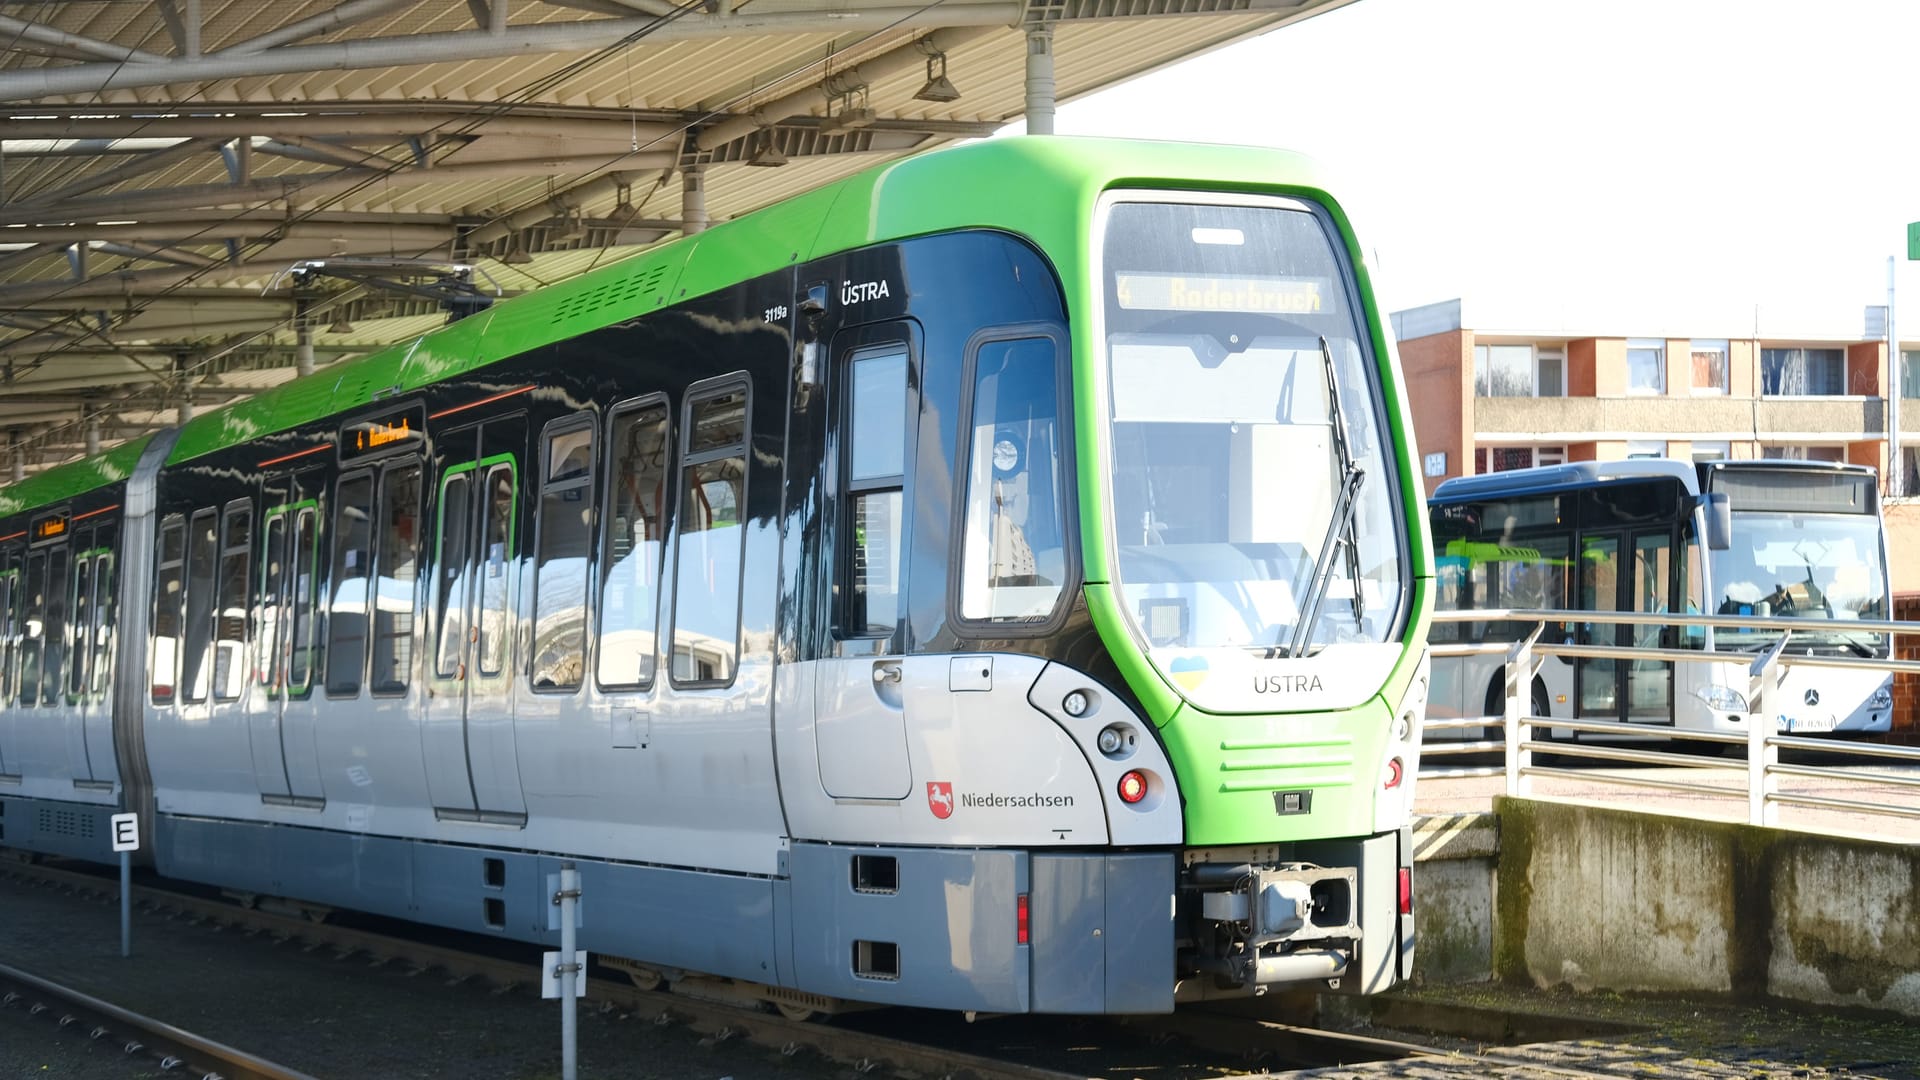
1722,699
1076,703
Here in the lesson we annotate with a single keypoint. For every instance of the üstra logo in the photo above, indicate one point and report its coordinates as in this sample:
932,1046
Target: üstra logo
940,799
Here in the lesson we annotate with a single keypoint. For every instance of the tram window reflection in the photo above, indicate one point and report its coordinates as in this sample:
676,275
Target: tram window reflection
634,534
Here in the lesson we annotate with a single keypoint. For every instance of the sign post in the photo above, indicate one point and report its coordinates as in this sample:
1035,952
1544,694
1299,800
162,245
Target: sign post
126,841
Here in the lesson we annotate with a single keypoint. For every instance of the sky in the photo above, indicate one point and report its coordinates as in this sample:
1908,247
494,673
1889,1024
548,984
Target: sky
1706,168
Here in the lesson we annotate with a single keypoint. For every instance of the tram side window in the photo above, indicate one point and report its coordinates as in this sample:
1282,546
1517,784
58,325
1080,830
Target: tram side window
202,552
230,624
101,666
169,582
876,475
1013,559
9,623
394,597
82,606
711,531
271,641
31,630
496,621
639,446
347,616
456,515
55,632
560,577
302,656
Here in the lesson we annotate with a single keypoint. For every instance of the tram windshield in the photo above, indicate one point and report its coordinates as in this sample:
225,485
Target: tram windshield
1246,433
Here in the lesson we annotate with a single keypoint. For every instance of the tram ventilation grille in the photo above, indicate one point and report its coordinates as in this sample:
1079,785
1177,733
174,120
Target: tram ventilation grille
353,389
52,822
624,291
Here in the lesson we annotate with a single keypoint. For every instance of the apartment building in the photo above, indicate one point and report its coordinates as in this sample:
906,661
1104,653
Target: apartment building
1490,399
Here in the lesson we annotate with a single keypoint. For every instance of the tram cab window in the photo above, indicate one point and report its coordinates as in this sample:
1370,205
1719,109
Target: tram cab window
876,471
639,445
202,554
1013,560
169,583
711,530
560,577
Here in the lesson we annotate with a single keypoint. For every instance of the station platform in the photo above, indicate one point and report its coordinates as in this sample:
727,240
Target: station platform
1474,795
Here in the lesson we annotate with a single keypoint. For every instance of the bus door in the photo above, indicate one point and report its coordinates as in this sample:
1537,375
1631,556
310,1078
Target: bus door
1625,571
472,769
1649,588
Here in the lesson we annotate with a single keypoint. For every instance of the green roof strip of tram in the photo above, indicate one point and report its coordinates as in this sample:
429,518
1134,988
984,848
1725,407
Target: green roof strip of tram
73,478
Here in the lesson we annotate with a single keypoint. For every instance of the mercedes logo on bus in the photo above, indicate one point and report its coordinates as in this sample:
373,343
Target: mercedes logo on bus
1813,697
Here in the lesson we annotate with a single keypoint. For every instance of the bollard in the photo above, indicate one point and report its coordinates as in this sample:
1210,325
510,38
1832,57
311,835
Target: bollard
569,971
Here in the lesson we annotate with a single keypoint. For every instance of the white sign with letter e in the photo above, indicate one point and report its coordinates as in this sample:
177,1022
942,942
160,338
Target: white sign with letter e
126,832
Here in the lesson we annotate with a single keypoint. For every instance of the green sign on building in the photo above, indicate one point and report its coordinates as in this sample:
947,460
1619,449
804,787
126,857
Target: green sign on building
1913,240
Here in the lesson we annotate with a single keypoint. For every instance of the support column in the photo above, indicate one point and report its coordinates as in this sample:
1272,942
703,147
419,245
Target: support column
1040,79
183,391
90,423
17,457
693,199
303,339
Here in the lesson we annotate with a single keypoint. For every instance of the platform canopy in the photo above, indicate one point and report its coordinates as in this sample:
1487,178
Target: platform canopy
198,198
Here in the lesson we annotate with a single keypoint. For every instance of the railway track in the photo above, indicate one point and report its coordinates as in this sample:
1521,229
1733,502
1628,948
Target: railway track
1195,1042
138,1036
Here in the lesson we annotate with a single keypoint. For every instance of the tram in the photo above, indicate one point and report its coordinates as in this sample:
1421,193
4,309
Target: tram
996,581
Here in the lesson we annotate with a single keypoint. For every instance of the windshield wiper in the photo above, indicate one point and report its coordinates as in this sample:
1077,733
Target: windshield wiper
1340,530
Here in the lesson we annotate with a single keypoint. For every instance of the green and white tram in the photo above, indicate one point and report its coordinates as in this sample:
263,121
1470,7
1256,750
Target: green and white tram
996,581
1800,540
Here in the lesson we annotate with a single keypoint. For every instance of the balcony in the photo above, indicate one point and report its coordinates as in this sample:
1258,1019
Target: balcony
1657,416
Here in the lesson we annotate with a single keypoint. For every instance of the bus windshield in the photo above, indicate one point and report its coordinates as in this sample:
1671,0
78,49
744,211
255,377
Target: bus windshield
1234,453
1803,566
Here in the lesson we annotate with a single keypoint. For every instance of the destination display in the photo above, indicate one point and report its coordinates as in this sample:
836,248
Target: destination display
384,433
1202,292
50,527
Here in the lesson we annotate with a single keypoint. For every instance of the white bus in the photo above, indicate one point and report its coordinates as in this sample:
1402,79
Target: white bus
1762,538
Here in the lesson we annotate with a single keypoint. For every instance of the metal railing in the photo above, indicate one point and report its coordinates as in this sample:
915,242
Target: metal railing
1764,769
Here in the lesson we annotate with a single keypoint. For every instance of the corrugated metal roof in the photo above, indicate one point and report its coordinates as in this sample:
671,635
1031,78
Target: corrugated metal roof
496,151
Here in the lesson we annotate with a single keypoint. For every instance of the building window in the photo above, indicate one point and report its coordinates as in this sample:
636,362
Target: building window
1508,458
1712,451
1909,373
1646,448
1910,470
1803,372
1646,366
1517,371
1805,453
1709,366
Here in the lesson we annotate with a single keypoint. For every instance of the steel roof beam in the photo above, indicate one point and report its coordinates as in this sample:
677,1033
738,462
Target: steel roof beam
146,163
583,36
308,185
361,126
61,39
327,21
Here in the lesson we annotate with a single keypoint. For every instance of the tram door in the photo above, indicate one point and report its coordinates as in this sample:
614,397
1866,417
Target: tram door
472,770
1626,571
281,721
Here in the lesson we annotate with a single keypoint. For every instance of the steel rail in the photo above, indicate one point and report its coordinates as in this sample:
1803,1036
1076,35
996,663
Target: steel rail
719,1020
171,1045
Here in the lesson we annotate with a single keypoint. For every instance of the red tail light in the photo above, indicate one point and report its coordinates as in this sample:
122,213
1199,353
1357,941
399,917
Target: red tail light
1022,927
1133,787
1406,891
1395,773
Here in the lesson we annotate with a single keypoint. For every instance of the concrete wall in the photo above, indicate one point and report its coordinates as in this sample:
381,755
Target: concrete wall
1594,898
1456,861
